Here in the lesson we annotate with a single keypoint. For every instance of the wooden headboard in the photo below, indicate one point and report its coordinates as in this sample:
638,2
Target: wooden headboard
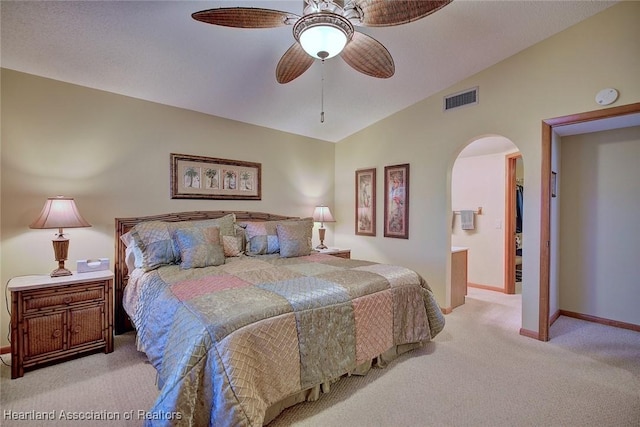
123,225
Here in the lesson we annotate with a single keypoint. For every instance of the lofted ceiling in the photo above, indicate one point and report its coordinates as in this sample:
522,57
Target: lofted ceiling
154,50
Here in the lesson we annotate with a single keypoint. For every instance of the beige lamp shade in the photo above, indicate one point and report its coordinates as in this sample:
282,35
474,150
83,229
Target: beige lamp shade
322,214
60,212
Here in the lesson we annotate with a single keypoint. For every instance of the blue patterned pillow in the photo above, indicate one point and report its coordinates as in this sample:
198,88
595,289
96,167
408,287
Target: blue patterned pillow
295,238
226,224
199,247
262,237
154,241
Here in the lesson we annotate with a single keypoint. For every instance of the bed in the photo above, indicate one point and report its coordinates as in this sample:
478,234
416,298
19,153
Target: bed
242,318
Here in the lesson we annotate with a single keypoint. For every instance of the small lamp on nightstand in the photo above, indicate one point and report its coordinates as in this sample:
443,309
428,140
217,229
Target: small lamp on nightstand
322,214
60,212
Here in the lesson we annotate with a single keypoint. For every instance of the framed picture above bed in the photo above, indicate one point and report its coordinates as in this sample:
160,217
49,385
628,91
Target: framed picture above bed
198,177
366,202
396,201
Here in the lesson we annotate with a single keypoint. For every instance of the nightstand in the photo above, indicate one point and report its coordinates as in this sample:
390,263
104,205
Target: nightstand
55,318
340,253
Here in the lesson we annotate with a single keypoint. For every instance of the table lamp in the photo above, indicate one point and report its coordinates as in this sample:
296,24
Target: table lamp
322,214
60,212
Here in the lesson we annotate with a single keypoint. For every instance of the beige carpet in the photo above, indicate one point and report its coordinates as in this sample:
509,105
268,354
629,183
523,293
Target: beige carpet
478,372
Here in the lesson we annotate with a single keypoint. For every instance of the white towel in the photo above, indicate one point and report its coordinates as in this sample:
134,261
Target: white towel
467,218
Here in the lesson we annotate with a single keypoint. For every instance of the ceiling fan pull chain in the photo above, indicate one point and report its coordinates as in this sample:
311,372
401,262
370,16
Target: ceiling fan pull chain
322,92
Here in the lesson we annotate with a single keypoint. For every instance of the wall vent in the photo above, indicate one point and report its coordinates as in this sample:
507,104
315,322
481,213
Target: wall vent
461,99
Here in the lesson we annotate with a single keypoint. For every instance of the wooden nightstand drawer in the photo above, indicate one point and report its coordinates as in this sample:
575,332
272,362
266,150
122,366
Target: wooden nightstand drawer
54,298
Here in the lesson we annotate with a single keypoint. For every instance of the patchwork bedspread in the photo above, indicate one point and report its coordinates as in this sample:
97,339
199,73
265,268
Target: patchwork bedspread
232,340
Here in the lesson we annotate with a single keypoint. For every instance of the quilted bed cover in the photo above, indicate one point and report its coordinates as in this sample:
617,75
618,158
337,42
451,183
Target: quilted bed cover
230,341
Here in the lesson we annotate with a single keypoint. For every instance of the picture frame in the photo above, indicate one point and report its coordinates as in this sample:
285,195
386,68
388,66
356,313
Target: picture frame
365,202
554,184
396,201
199,177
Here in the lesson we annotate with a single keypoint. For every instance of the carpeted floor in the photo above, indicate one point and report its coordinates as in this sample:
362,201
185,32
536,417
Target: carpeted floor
478,372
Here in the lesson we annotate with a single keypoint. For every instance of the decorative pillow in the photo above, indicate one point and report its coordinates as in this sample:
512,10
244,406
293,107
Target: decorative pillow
199,247
234,245
295,238
242,237
154,241
262,237
225,224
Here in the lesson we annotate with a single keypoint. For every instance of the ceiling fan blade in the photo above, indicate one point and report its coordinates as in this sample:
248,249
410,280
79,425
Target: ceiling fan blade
245,17
293,63
369,56
385,13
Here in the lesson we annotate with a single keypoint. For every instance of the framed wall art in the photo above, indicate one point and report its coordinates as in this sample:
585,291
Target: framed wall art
366,202
396,201
198,177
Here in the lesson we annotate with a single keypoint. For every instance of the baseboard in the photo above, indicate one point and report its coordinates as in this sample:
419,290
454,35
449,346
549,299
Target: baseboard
602,321
554,317
530,334
446,310
5,350
485,287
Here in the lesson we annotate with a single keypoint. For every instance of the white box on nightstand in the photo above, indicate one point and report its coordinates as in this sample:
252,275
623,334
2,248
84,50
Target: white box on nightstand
89,265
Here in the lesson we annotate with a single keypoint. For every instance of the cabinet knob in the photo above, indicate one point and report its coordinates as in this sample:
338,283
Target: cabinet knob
76,329
67,300
56,333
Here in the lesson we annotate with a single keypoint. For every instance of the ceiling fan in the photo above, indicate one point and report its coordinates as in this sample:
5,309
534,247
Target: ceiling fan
326,29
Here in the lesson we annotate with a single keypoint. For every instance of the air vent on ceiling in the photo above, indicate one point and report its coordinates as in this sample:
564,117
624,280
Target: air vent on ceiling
461,99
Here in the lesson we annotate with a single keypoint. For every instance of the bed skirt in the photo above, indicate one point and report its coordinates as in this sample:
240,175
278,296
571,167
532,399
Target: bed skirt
312,394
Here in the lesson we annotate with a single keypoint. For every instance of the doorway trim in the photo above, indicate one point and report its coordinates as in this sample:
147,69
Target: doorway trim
548,125
510,223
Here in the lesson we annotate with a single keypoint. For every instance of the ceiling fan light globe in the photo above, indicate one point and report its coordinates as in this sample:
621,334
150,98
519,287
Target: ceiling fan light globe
323,35
323,41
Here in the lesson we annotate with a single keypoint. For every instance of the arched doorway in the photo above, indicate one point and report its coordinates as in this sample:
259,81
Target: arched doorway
484,181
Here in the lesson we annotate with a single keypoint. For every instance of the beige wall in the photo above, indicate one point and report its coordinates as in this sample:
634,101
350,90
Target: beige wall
599,234
556,77
112,154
